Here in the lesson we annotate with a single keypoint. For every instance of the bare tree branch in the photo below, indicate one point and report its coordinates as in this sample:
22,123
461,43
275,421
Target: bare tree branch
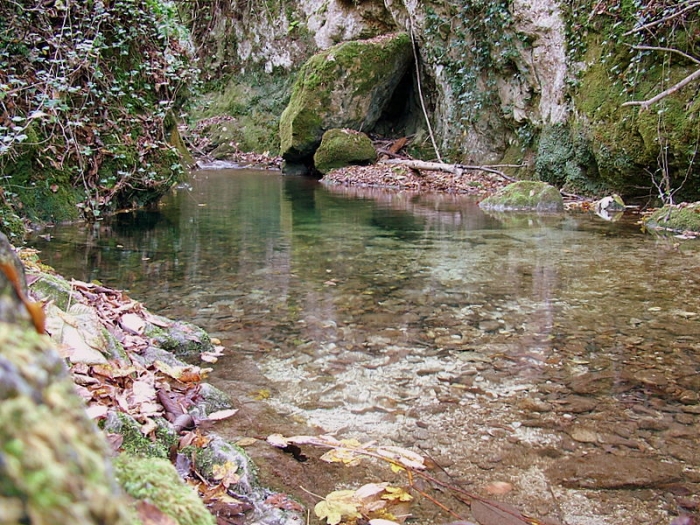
668,50
689,7
645,104
455,169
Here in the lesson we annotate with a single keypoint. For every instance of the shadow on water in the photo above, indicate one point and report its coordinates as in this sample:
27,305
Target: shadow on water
507,347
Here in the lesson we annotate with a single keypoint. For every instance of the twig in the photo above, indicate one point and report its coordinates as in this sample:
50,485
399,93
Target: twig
690,7
668,50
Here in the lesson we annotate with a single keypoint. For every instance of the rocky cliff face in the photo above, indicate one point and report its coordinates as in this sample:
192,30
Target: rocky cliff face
515,81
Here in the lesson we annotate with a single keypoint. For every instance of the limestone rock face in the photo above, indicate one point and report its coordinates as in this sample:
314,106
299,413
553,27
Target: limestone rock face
525,196
343,147
345,86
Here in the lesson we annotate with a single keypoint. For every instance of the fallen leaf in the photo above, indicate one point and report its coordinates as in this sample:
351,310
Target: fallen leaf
246,442
96,411
222,414
337,506
226,474
397,494
277,440
133,323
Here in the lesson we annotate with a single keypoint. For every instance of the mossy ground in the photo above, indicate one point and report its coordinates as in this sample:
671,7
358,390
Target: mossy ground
632,146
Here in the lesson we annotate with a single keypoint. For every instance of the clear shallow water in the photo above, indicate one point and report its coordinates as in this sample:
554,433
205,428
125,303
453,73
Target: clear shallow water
503,346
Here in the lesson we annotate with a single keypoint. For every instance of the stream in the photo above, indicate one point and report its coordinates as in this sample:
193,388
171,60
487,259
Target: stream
556,356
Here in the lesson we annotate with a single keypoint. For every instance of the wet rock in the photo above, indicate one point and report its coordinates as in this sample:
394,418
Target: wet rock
489,326
525,196
682,217
534,405
219,453
576,404
584,434
183,339
343,147
649,423
599,383
681,452
345,86
685,419
607,471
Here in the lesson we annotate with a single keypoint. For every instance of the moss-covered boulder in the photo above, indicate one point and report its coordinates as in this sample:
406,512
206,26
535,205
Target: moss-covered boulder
53,460
525,196
185,340
343,147
346,86
680,218
155,480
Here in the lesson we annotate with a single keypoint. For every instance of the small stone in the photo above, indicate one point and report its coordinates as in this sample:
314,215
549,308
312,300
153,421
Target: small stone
584,435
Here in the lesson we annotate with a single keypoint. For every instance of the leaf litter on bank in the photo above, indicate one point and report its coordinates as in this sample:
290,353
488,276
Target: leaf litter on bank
143,391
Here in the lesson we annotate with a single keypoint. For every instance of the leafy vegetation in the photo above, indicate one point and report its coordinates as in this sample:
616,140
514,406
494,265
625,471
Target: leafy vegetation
89,97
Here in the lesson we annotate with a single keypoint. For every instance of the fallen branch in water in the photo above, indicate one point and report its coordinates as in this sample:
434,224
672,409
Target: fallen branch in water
455,169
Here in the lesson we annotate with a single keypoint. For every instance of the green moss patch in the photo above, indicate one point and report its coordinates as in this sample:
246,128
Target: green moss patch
156,481
343,147
682,218
52,457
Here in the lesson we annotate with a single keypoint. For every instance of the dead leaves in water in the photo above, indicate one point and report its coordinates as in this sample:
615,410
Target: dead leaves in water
384,504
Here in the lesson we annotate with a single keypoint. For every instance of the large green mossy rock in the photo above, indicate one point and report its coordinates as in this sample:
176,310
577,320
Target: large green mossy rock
681,218
525,195
345,86
155,480
53,460
343,147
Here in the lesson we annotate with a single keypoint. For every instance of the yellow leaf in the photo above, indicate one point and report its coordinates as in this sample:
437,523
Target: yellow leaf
396,468
337,506
226,473
342,455
396,494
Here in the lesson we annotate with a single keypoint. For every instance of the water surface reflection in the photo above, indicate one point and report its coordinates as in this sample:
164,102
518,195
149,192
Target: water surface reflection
507,347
